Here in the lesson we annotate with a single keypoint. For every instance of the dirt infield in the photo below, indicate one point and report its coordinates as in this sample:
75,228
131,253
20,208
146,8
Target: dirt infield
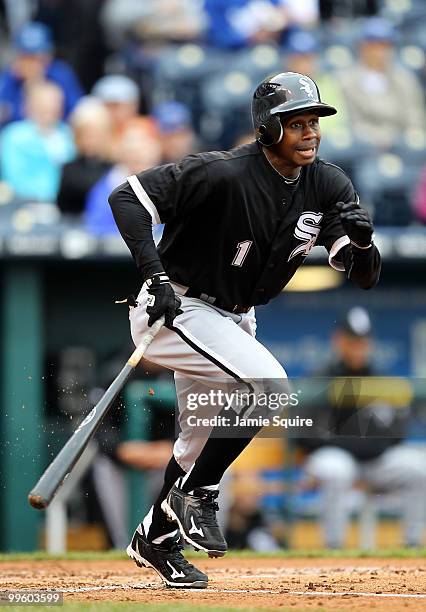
270,583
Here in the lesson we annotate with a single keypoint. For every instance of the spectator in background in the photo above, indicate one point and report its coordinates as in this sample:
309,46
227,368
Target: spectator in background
138,149
383,99
78,34
91,124
33,150
234,24
120,95
361,442
301,14
177,136
32,62
420,198
157,21
302,54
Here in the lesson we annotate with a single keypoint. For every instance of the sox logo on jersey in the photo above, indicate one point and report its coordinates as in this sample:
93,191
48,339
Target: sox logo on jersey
307,230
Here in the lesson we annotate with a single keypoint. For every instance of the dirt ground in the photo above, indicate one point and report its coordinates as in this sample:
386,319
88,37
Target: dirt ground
313,584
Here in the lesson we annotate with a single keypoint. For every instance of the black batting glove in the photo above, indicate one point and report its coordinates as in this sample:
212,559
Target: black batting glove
162,300
357,223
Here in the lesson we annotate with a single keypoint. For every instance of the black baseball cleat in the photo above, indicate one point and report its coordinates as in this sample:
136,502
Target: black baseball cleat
196,516
167,560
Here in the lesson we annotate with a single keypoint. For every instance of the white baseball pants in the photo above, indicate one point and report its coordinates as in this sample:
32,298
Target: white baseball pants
208,348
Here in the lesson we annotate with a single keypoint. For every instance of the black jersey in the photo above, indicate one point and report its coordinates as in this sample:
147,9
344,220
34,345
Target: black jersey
234,229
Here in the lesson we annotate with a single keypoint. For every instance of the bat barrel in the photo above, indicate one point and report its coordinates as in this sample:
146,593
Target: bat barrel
43,492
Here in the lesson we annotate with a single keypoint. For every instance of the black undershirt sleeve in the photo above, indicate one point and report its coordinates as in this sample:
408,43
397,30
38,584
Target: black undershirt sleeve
135,225
362,265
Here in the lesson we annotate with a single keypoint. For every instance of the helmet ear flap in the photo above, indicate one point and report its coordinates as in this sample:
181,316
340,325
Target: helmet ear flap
270,133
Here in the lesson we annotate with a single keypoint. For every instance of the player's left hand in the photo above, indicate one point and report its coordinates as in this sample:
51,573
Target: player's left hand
356,222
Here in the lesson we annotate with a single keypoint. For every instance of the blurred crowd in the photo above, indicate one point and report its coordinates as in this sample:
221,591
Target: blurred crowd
92,91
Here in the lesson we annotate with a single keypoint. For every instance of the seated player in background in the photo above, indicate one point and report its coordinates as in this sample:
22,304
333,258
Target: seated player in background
359,443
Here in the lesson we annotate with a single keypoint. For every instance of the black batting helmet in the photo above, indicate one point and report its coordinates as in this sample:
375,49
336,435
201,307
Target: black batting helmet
284,94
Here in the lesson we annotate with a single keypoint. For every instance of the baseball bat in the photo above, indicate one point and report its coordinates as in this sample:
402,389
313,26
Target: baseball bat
55,474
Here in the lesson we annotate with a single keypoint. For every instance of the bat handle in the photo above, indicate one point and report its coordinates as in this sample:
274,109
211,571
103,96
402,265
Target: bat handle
139,351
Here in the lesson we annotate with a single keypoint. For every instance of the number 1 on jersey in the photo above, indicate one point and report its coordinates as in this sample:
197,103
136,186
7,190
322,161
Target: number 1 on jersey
242,250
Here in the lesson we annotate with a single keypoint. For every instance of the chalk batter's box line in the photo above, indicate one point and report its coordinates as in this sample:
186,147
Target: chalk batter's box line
150,586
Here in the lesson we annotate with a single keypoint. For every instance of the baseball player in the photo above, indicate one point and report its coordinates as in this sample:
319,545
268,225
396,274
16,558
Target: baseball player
237,225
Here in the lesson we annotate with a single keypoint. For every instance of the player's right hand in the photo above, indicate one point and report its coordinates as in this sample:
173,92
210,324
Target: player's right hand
162,300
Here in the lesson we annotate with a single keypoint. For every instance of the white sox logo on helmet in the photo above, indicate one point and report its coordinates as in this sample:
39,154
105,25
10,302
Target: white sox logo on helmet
307,230
307,87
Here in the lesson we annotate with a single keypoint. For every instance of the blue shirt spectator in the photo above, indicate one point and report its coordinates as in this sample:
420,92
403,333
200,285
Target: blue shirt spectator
139,148
33,61
233,24
98,216
33,150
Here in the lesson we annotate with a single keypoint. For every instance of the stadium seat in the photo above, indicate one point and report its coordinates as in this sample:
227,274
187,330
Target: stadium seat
343,149
413,57
337,57
414,32
180,71
343,33
412,149
257,62
403,12
187,62
226,102
385,184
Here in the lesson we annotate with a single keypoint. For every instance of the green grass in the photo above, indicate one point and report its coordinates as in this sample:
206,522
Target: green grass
399,553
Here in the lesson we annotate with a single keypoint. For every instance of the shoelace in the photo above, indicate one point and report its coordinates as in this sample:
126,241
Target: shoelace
209,505
174,552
